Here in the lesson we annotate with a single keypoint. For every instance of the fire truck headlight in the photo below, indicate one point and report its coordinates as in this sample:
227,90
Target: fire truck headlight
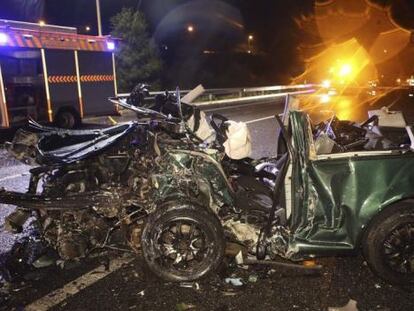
4,38
110,45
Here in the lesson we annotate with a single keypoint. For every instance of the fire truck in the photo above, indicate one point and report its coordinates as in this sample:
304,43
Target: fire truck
53,74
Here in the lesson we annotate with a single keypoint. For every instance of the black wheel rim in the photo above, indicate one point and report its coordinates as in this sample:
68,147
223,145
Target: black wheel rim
399,249
182,246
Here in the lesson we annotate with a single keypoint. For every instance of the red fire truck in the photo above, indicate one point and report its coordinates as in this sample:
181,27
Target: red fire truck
53,74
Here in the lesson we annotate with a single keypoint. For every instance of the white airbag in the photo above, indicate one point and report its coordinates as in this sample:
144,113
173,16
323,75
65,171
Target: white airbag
238,144
205,132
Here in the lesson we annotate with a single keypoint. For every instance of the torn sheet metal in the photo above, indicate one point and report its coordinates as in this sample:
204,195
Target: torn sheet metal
334,199
194,175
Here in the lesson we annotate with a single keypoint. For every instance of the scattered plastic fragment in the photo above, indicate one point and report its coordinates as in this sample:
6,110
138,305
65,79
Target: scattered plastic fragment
377,286
141,293
44,261
234,281
350,306
184,306
229,292
253,278
193,285
239,258
309,263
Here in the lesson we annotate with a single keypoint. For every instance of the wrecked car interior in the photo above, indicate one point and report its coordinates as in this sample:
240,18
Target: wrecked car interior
383,130
177,186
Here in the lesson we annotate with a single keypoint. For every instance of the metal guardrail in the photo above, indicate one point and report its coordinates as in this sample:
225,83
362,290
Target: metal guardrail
223,91
239,95
249,99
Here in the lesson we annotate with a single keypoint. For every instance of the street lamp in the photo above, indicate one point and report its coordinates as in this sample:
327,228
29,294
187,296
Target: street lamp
98,15
87,28
249,42
190,28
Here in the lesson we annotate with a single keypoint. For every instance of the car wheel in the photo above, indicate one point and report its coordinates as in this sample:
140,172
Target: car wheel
67,119
388,245
182,242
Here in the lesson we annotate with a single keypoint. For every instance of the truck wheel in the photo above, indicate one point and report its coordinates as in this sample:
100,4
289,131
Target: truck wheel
388,245
182,242
67,119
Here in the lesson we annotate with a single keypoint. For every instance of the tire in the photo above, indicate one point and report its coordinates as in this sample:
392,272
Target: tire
67,119
388,245
187,254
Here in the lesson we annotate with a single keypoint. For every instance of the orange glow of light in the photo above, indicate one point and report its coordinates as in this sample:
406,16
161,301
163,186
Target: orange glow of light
343,64
358,29
325,99
345,70
344,109
326,84
190,28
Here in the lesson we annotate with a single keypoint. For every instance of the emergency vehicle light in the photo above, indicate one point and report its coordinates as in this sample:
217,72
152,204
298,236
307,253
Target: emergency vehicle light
3,38
110,45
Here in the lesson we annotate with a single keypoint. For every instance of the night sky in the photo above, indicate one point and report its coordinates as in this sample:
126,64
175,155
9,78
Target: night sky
220,26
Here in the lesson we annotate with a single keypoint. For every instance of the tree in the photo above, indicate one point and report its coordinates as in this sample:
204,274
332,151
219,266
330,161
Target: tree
137,56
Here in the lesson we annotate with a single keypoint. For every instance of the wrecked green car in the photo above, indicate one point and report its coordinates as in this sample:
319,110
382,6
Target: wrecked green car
318,203
186,197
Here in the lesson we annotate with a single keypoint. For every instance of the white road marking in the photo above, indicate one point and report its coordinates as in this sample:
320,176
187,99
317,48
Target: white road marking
74,287
12,177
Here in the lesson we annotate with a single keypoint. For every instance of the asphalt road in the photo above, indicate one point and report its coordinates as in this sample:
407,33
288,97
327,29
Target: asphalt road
127,285
13,176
